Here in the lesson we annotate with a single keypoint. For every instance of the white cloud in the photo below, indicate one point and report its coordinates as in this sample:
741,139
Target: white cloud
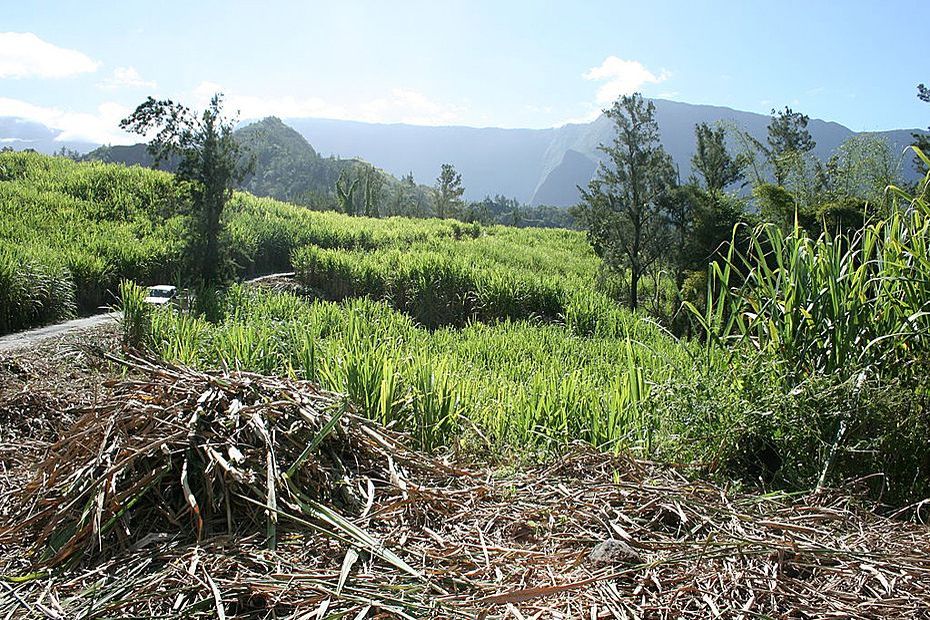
621,77
23,54
100,127
126,77
252,106
399,106
409,106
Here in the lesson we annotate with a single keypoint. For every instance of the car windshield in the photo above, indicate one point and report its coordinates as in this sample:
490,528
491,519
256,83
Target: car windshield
159,293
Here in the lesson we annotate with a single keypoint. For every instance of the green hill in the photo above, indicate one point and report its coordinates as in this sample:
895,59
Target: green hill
69,232
288,168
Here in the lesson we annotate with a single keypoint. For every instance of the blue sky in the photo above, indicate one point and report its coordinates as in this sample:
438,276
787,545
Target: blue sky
80,66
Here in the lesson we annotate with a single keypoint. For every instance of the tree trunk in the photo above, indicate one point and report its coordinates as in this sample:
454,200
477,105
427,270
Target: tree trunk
634,288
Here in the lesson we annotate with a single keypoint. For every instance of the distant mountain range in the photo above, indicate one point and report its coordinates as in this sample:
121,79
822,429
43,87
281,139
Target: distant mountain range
535,166
20,134
540,166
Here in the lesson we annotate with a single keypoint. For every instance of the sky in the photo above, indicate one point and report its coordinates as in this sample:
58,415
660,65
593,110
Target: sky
79,67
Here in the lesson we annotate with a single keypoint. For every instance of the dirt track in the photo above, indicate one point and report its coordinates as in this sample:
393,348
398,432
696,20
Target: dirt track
33,336
19,340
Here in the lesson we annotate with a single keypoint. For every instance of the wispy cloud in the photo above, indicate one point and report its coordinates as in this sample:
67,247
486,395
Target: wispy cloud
621,77
100,127
409,106
127,77
24,55
400,105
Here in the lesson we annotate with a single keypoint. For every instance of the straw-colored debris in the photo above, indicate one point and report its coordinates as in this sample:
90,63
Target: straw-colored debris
185,494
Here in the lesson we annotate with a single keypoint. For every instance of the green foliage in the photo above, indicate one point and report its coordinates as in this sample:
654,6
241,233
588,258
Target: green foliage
32,291
211,165
860,171
450,281
509,212
448,192
843,321
778,206
136,315
788,139
713,162
92,225
69,233
621,208
345,192
922,141
517,383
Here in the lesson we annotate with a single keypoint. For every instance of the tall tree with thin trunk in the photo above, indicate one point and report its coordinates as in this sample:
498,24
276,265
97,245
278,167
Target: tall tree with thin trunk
449,192
621,209
788,140
922,141
212,162
713,162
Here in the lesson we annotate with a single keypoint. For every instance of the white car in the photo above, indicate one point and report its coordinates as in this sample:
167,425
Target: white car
161,294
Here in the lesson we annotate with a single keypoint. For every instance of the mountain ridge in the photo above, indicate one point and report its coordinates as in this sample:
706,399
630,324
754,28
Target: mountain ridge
535,166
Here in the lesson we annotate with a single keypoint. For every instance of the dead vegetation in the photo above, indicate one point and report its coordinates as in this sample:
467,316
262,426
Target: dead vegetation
167,492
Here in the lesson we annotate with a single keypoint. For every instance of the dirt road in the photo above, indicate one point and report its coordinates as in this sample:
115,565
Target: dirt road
23,339
33,336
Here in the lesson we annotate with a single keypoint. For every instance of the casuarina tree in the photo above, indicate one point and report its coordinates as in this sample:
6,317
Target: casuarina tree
210,160
621,209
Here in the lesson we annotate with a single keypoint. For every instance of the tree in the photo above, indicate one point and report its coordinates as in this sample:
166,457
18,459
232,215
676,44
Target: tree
681,205
860,170
717,168
449,191
621,208
373,184
345,192
788,140
922,141
211,162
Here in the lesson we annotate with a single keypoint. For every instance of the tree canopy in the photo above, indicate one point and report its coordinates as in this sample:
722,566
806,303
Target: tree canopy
210,159
621,209
449,192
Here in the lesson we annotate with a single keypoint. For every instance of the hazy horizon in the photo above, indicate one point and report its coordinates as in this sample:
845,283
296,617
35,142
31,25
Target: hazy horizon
472,64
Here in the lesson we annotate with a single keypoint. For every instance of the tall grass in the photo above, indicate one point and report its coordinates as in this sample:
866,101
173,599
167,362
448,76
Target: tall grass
840,328
136,314
96,224
513,383
33,291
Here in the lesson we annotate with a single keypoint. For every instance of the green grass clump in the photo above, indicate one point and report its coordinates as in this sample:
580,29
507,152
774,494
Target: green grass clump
838,327
33,291
446,284
514,383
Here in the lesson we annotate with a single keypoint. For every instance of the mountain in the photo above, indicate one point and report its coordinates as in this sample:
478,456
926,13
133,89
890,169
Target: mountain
491,160
21,134
559,187
131,155
535,166
540,166
286,166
